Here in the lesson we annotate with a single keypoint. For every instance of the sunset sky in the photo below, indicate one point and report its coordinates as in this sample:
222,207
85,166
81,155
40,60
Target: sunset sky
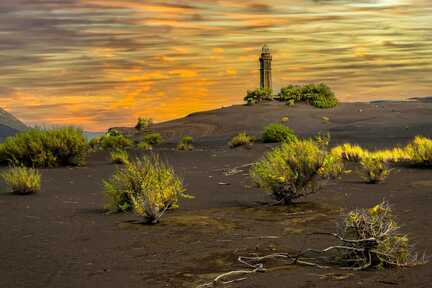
103,63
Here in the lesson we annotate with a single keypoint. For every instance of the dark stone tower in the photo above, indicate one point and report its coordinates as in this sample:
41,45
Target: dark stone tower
265,68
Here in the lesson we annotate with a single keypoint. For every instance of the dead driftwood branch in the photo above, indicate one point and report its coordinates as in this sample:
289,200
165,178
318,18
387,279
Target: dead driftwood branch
219,280
306,258
368,238
236,170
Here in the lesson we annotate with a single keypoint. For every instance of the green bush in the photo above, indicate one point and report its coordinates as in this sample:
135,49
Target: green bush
275,133
120,157
241,139
143,123
185,144
144,146
116,192
22,180
112,140
45,148
291,94
419,151
295,169
374,169
152,138
258,95
317,95
147,185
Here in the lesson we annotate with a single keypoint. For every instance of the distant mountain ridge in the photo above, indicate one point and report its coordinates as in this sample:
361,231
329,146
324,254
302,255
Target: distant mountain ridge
9,124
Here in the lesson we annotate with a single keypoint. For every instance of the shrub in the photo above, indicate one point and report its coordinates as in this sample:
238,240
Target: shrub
112,140
258,95
143,123
144,146
152,138
94,143
45,148
185,144
294,170
274,133
374,169
241,139
332,167
395,155
116,192
22,180
419,151
290,103
120,157
373,239
350,152
317,95
147,185
291,94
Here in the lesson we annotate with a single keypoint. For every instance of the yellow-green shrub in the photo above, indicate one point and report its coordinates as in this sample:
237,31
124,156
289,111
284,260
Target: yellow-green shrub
120,157
349,152
45,148
152,138
185,144
373,234
22,180
143,123
241,139
374,169
149,140
148,185
144,146
116,192
394,155
332,167
112,140
294,170
419,151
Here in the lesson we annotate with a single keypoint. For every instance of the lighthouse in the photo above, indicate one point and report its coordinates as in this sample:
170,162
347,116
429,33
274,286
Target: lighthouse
265,68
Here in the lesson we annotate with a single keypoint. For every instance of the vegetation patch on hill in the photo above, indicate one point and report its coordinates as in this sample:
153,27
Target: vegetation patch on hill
318,95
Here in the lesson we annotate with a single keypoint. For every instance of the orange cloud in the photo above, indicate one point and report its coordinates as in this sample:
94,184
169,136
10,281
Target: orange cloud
184,73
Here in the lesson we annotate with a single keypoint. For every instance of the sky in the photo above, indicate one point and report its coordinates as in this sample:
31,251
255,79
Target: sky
104,63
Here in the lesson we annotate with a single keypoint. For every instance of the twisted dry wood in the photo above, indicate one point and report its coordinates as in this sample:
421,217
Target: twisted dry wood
255,263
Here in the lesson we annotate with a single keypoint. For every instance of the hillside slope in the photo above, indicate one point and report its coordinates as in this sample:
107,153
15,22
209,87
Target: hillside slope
9,124
366,123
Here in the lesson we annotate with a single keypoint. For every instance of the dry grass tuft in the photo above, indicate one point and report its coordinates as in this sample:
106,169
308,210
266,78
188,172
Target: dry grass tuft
241,139
22,180
120,157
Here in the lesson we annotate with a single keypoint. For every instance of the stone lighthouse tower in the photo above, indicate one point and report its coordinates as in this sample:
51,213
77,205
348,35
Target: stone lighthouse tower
265,68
